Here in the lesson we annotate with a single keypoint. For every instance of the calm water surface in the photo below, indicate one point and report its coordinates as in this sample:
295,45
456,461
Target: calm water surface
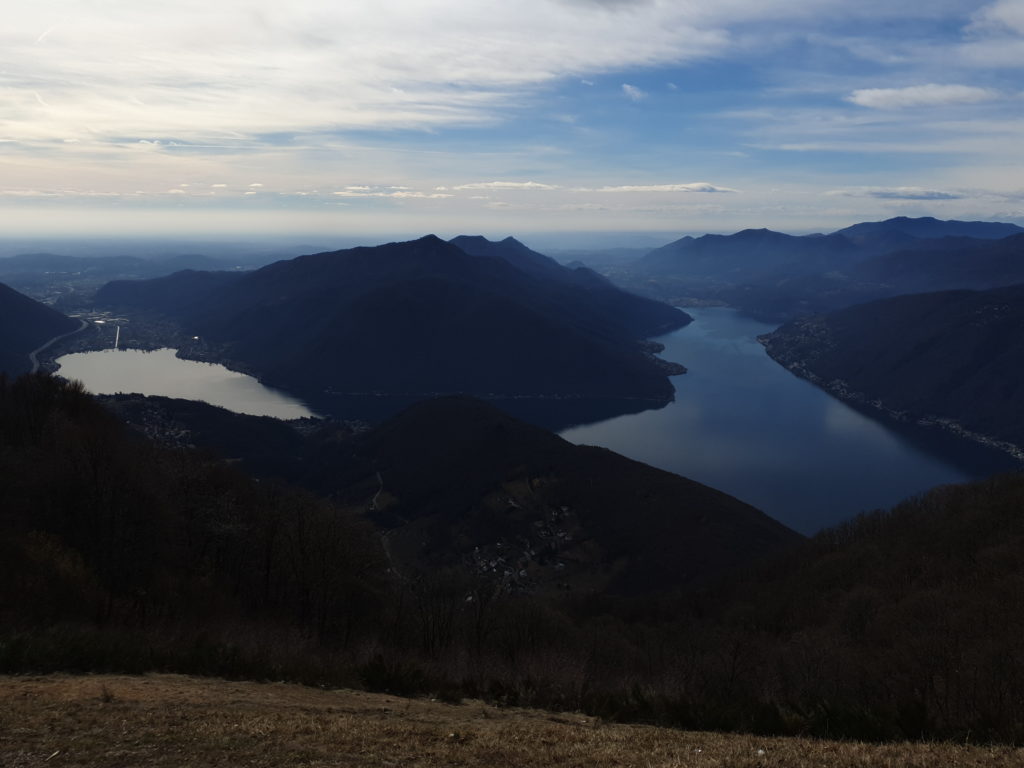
745,425
111,371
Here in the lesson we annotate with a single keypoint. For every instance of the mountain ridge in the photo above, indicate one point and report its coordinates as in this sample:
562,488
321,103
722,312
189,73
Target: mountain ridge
418,317
25,325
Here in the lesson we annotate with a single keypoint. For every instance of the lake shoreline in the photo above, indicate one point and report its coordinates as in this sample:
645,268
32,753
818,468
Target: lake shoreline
741,422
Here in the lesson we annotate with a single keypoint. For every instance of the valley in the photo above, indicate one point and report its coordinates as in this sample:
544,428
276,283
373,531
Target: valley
453,546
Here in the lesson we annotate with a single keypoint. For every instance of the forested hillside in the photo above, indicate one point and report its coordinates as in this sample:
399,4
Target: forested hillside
956,356
119,555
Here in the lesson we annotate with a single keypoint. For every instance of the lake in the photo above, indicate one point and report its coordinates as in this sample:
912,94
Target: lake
747,426
110,371
740,423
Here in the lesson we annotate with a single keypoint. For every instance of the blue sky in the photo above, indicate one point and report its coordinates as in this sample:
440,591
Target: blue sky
407,116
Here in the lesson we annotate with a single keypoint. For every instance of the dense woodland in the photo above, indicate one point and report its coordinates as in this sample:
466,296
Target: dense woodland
118,554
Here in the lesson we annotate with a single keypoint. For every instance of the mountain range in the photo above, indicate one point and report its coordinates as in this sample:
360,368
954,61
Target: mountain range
776,276
419,318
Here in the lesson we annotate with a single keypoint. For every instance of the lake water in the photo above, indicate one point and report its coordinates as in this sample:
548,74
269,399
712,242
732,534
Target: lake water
110,371
745,425
740,423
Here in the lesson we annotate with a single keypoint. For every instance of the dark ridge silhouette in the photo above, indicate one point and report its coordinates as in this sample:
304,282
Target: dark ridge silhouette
459,484
927,228
927,265
949,263
177,294
466,481
748,255
637,315
778,277
25,325
415,319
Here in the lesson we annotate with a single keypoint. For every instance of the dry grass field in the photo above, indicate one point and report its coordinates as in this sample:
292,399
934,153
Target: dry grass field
170,720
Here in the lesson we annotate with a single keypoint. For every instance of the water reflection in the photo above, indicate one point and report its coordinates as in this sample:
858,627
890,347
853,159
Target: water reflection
111,371
745,425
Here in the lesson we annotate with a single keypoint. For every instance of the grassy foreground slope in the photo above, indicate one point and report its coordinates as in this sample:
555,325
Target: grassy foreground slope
168,720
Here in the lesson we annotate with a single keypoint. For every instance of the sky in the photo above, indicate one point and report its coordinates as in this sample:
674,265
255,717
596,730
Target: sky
402,117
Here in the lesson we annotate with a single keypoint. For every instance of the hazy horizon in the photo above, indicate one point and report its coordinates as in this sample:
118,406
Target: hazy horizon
298,243
548,116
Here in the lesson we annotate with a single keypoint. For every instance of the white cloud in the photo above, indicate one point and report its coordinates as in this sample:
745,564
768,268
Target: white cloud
423,195
505,185
930,95
697,186
240,68
633,93
999,17
995,36
392,192
299,95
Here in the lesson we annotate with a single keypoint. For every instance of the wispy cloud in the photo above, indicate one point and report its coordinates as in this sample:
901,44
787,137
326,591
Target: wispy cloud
391,192
528,185
697,186
929,95
123,69
633,93
524,106
897,193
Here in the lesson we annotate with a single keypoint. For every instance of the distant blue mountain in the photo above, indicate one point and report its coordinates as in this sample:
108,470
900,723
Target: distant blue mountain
926,228
777,276
749,254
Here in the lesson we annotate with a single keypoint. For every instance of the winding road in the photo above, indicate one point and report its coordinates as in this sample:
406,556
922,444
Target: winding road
33,356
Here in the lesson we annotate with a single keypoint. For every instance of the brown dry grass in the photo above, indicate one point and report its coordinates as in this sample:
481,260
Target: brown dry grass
169,720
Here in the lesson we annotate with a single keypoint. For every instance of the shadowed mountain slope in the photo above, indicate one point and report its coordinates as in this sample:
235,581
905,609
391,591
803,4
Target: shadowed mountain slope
636,315
924,265
456,483
417,318
953,355
927,228
25,325
779,277
748,255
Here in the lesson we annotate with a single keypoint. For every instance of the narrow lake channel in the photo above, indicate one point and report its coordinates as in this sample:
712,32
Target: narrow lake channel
745,425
